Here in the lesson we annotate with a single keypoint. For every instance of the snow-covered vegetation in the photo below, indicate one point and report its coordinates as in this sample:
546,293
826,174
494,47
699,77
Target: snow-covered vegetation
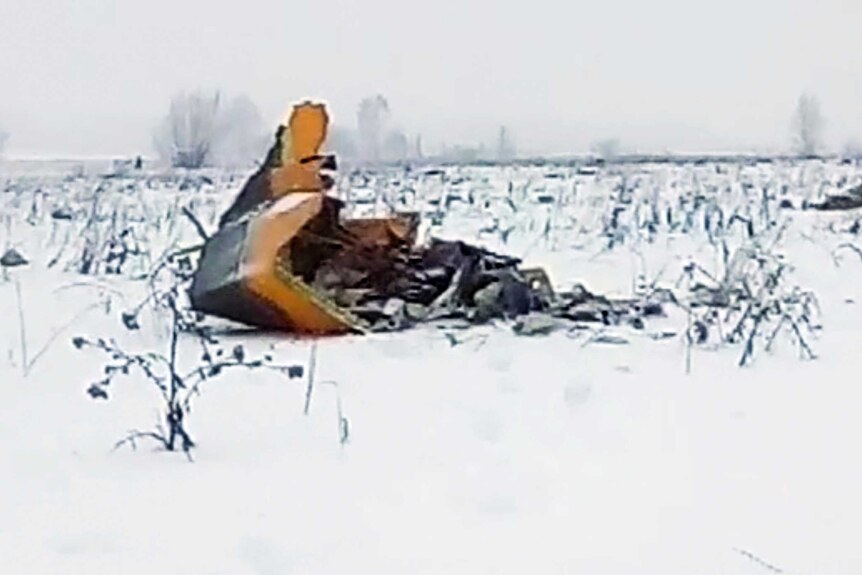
716,438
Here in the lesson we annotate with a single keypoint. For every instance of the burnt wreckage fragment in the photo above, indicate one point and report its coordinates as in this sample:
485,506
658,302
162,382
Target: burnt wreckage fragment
283,257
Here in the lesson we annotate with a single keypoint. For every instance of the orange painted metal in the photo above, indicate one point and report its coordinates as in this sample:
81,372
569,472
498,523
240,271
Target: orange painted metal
268,277
283,219
300,151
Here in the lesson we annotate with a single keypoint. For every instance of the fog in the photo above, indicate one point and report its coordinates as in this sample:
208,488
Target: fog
93,77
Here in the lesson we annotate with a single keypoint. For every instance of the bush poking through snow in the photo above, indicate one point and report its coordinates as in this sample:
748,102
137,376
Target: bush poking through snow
177,380
754,301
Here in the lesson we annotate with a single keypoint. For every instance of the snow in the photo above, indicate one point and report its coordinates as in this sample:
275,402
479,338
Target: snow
502,454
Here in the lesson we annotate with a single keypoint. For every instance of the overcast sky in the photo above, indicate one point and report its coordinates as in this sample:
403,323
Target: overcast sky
91,77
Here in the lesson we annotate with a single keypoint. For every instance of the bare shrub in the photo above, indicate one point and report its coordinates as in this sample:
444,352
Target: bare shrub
178,380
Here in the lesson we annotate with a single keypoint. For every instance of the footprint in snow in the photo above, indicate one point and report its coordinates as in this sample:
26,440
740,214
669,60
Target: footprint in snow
263,556
488,427
576,394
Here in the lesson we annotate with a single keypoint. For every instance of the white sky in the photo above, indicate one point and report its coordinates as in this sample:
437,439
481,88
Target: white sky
90,77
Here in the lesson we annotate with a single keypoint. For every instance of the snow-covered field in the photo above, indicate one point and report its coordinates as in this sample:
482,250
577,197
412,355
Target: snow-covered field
565,453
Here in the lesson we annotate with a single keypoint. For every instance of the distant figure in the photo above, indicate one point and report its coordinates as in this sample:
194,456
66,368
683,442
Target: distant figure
139,163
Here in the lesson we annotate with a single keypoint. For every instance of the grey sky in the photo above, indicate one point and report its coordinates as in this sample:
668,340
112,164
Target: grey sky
91,77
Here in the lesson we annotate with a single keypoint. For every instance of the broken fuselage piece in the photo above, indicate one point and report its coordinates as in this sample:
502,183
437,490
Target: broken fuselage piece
284,259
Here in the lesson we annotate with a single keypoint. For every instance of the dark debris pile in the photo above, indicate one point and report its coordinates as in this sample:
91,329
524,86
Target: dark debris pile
848,200
452,280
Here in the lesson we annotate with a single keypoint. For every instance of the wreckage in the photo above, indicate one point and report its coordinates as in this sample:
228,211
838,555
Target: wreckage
848,200
283,258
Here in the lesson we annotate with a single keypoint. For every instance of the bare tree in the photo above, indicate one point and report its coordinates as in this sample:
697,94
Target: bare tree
372,119
240,136
417,148
808,125
505,145
395,147
202,129
186,136
606,149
